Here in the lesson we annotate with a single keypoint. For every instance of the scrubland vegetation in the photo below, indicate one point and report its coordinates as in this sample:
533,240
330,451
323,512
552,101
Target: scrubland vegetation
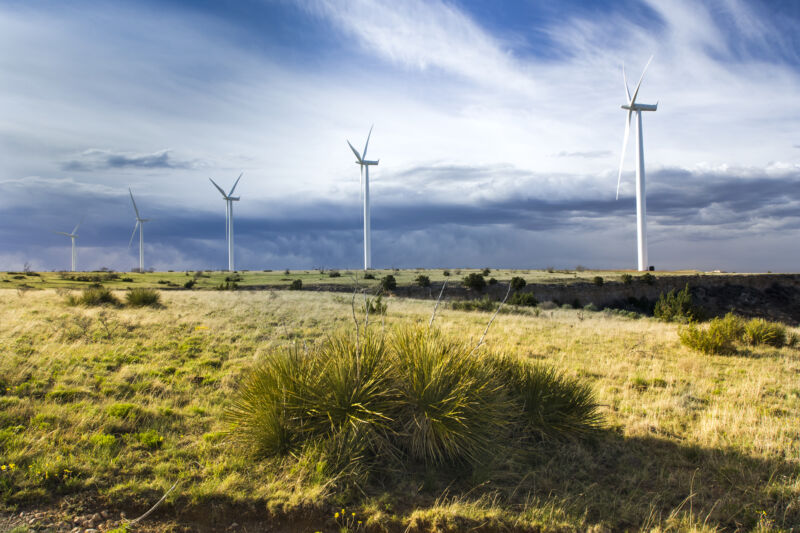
119,402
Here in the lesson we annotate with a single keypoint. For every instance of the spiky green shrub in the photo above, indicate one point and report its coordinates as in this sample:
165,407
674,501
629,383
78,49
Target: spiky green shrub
759,331
453,410
141,297
526,299
553,405
677,307
94,296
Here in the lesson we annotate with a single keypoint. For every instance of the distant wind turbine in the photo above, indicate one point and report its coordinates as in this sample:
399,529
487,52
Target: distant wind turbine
365,164
229,199
139,225
641,196
73,236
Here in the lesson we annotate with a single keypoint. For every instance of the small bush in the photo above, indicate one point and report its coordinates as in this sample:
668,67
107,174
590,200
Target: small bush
227,286
423,280
647,278
523,299
94,296
598,280
388,283
717,338
286,272
446,273
369,275
758,331
127,280
484,304
334,274
486,271
474,281
492,281
676,307
376,306
626,279
190,284
296,285
143,297
150,439
517,283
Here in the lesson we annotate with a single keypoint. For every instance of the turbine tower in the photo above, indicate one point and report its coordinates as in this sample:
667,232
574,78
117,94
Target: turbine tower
229,199
139,225
73,236
641,197
365,164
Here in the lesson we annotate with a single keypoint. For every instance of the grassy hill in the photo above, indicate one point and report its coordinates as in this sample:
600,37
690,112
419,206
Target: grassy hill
105,408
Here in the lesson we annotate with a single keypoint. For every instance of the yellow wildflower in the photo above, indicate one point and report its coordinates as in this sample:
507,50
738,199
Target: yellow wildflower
336,515
12,466
3,467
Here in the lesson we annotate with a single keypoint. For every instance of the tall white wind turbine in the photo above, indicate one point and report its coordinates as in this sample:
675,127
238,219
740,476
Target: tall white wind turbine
140,226
73,236
361,160
229,199
641,198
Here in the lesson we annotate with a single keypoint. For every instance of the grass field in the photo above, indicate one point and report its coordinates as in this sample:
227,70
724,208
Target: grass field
309,278
117,404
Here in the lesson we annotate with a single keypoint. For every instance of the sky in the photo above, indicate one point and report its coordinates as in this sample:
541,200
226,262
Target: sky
497,124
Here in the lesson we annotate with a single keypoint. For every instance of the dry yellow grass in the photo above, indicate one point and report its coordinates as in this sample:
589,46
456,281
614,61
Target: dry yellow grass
692,441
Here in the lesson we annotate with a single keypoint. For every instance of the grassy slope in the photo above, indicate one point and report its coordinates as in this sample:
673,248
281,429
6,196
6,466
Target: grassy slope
210,280
691,439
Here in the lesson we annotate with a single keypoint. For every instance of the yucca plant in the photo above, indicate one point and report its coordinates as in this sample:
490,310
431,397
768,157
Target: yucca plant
759,331
452,409
553,405
141,297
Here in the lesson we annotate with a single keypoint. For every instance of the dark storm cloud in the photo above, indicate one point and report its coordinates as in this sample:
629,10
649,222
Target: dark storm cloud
103,159
416,227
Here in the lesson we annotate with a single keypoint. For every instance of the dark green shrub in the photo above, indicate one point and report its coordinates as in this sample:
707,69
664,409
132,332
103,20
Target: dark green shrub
286,272
369,275
376,306
626,279
228,286
758,331
388,283
94,296
127,280
492,281
598,280
648,278
474,281
423,280
296,285
143,297
523,299
334,274
445,273
190,284
517,283
676,307
486,271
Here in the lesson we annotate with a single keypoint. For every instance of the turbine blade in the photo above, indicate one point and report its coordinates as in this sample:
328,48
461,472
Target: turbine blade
367,144
79,225
636,92
625,79
62,233
235,184
218,187
134,203
624,146
358,156
135,227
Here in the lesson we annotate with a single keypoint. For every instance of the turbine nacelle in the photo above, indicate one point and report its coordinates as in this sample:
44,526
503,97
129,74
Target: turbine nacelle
640,107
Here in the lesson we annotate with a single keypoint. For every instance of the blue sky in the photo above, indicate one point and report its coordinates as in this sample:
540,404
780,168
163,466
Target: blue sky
497,125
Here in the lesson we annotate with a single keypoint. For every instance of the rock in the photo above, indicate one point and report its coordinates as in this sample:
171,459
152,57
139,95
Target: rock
105,514
90,530
95,517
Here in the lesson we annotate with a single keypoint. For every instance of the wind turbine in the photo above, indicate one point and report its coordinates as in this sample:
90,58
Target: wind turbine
365,164
73,236
139,225
641,198
229,199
